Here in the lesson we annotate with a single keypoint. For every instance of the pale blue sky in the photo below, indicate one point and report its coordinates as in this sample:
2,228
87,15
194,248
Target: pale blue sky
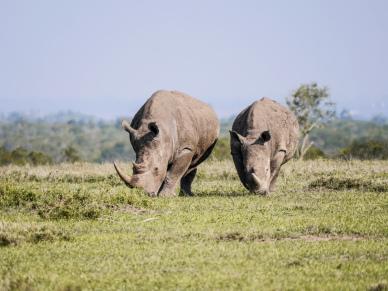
106,57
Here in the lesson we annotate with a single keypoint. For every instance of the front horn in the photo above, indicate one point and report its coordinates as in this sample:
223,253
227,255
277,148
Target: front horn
126,179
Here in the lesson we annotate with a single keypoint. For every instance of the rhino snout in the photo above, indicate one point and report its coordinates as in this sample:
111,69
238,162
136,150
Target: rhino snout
259,186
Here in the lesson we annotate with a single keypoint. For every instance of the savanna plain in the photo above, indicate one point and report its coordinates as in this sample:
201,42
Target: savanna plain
77,227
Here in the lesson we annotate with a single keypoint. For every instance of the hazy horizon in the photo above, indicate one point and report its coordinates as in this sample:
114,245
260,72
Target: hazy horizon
106,58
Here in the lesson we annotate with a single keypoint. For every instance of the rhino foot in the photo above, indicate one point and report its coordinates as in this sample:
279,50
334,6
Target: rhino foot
186,182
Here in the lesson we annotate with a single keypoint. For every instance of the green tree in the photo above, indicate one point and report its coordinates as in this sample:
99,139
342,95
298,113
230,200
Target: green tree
71,155
314,153
312,106
366,149
38,158
5,156
19,156
119,151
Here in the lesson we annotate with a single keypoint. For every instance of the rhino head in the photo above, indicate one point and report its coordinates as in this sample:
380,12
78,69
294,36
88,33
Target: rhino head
251,156
151,146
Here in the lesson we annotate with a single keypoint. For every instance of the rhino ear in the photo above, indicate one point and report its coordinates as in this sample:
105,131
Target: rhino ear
265,136
153,127
234,135
127,127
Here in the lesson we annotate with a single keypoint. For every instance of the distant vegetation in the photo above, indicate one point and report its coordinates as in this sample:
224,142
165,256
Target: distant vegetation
20,156
66,137
70,137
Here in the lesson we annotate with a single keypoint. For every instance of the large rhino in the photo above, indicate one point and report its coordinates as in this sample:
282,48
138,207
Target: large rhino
172,134
264,136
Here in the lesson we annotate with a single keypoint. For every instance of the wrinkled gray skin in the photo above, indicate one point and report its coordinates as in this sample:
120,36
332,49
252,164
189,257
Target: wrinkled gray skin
172,134
264,136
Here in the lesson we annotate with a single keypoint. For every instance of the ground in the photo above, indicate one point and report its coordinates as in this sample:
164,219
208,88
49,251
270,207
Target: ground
76,227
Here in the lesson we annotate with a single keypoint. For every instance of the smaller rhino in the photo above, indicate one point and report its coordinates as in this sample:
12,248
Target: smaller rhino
264,137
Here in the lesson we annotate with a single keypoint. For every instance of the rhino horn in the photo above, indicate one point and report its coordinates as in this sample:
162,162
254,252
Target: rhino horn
128,128
126,179
261,190
256,179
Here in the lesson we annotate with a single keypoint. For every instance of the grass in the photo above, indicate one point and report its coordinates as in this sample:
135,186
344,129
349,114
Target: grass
76,227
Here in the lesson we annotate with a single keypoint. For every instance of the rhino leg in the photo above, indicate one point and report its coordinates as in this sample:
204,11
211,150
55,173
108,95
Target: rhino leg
274,177
175,173
276,163
186,182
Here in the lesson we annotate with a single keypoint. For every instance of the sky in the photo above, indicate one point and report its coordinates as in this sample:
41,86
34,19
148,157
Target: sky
106,58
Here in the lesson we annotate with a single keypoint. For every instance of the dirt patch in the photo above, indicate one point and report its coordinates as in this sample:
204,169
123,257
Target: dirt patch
330,237
236,236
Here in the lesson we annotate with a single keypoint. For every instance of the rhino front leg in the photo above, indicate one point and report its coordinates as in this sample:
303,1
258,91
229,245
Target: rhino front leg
186,182
175,173
276,163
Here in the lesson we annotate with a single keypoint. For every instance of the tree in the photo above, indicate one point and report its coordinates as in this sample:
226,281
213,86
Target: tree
364,149
5,156
19,156
39,158
71,155
312,107
314,153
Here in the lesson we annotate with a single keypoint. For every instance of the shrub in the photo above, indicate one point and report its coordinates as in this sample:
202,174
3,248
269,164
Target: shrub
221,150
314,153
21,156
71,155
366,149
38,158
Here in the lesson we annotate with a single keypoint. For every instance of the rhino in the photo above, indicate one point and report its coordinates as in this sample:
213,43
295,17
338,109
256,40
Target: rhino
171,134
264,137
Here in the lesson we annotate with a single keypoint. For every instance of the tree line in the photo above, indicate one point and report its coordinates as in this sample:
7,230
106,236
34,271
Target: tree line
72,137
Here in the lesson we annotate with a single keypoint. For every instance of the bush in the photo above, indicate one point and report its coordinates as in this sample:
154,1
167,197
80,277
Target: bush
21,156
314,153
365,150
221,150
38,158
71,155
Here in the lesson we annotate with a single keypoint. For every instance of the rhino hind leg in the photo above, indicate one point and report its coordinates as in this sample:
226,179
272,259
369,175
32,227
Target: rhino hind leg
205,155
186,182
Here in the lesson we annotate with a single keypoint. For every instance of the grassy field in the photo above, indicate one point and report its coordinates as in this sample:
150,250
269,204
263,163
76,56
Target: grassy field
76,227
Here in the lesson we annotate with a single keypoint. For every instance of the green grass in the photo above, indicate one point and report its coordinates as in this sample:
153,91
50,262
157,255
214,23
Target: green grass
76,227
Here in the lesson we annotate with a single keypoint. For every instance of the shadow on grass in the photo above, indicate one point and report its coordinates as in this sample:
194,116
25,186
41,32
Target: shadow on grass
334,183
15,234
217,193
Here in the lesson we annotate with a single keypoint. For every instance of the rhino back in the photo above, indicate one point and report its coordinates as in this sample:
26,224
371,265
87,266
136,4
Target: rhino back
191,122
